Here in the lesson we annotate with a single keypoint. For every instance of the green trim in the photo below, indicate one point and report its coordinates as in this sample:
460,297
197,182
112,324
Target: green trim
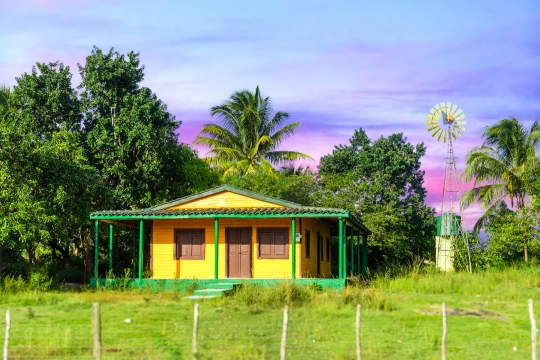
293,252
210,215
96,249
340,246
233,189
216,247
110,245
141,236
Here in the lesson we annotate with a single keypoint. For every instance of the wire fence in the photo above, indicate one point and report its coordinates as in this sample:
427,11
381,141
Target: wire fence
104,334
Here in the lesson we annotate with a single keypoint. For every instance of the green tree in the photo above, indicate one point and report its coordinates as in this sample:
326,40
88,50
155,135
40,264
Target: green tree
300,187
381,182
249,137
47,100
7,110
500,167
130,137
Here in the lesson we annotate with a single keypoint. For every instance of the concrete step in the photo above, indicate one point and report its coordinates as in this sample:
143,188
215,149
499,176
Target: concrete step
226,286
212,292
199,297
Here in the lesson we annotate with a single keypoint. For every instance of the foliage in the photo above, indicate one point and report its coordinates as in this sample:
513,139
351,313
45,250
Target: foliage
249,137
299,187
381,182
500,167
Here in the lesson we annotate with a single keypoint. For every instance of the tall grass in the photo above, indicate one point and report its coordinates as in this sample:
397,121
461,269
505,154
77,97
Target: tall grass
503,281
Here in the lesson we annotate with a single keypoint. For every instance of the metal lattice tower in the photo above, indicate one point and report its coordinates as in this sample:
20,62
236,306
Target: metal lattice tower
452,226
445,121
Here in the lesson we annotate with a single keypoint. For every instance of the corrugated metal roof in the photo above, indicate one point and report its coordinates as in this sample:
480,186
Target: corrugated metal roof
222,211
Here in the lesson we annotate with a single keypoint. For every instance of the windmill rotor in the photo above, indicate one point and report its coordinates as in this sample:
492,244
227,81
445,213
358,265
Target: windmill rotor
445,120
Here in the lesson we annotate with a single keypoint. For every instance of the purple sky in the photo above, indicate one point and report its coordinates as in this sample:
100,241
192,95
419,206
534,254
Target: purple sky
335,66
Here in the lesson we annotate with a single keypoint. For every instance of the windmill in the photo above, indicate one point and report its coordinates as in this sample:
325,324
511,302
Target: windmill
445,122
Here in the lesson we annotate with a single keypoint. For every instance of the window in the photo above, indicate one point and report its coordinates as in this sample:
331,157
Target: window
273,243
327,249
189,244
308,244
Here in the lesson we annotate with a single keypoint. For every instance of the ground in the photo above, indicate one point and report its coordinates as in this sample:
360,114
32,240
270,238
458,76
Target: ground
401,319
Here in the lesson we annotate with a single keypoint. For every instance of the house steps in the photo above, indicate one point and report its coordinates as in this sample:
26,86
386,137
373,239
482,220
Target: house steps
212,291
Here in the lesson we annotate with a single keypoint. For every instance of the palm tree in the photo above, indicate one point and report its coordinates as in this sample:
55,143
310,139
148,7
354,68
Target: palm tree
248,139
499,167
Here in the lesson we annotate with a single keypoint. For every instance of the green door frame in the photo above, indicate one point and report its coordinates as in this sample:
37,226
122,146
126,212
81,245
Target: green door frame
293,252
216,247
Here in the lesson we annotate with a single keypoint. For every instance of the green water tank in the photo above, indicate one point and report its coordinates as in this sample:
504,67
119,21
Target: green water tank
448,224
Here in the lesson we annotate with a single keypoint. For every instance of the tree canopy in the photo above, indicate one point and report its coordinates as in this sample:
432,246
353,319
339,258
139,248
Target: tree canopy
250,135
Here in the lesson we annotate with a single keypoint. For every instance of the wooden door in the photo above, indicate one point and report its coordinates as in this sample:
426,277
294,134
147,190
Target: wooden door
238,253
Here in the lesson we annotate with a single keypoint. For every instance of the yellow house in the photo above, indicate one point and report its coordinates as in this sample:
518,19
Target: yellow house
228,232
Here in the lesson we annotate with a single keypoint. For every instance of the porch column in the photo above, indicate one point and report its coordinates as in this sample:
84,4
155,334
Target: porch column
364,255
358,248
352,252
345,249
110,245
134,251
96,250
340,246
141,235
293,252
216,247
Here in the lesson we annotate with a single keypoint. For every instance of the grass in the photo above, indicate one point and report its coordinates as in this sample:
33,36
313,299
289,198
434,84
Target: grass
401,319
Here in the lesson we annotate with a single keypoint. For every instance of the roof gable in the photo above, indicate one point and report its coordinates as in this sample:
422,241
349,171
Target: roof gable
226,197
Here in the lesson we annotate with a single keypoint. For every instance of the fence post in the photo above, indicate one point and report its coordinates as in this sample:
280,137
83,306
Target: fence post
195,330
358,348
6,341
443,344
533,329
96,331
284,334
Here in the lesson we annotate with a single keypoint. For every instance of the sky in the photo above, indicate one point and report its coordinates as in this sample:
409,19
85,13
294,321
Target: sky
335,66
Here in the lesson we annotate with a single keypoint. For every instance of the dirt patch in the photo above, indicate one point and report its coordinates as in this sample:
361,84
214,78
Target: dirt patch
480,313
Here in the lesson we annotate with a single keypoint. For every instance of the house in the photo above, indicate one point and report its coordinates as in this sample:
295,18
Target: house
227,232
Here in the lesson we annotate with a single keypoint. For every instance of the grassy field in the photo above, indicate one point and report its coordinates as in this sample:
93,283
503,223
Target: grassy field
401,319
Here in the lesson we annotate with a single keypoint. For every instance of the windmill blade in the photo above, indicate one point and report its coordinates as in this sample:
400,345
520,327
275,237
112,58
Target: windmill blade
459,127
448,107
462,116
454,136
433,111
439,137
453,111
437,107
432,127
444,137
457,132
461,122
435,132
459,111
431,122
432,117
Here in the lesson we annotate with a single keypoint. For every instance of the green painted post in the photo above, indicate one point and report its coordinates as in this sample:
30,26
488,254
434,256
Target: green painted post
96,250
352,252
293,237
134,248
344,249
216,247
358,244
141,235
364,255
110,245
340,248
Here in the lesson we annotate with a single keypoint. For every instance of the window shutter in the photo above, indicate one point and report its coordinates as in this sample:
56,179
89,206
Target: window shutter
265,243
197,245
308,244
281,243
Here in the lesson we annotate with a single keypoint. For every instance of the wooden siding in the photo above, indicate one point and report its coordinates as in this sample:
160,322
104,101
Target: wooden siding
226,199
309,265
165,267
